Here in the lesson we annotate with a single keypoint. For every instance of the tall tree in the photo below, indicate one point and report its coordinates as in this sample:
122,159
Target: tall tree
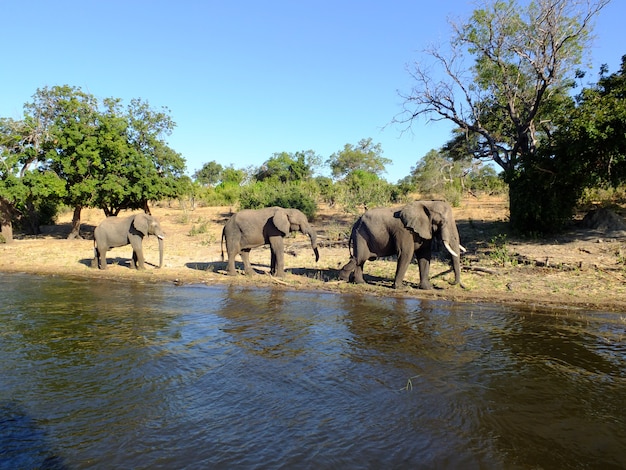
70,146
210,173
162,167
523,57
285,167
593,135
365,156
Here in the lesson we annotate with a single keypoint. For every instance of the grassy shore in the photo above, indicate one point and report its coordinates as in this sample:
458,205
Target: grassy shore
580,269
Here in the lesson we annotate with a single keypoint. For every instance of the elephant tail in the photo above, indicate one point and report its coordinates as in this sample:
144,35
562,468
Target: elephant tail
351,239
222,242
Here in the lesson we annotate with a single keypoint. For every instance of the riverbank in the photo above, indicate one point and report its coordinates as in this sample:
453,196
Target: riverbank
580,269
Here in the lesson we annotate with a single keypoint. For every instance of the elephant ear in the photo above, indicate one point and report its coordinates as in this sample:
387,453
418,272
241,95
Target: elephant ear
141,223
416,217
281,221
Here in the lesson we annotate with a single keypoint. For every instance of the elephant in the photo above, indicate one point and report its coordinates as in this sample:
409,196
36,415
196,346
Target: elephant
403,231
251,228
113,232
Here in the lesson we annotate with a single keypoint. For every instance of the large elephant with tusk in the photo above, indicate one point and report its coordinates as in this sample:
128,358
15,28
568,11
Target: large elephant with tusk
403,231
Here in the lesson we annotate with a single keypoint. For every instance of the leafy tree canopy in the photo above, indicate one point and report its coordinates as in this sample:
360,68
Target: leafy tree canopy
210,174
592,138
106,155
285,167
365,156
507,73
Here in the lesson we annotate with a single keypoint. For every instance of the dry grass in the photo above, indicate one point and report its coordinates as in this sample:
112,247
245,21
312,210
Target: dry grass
581,269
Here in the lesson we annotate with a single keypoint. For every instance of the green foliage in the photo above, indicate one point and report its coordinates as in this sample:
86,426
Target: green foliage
522,59
542,199
73,149
268,194
229,192
587,149
485,179
592,136
210,174
499,251
233,175
365,156
361,190
284,167
201,228
326,190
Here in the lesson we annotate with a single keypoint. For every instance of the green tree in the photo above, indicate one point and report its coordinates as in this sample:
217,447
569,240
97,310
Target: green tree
210,174
365,156
284,167
524,60
159,169
70,143
592,137
14,148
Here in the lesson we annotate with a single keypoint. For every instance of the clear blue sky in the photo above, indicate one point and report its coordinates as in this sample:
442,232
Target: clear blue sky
246,79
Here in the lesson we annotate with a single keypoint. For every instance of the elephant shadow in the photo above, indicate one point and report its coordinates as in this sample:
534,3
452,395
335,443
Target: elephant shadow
220,267
116,261
332,275
324,275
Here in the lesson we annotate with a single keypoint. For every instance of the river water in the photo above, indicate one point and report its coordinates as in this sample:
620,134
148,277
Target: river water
100,374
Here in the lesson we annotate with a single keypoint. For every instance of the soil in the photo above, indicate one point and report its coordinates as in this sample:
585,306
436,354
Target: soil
582,268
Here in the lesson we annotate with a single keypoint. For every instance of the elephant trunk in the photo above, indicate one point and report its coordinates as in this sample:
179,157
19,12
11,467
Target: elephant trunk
311,233
160,252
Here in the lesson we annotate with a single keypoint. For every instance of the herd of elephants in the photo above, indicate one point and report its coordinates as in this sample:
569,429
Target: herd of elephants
386,231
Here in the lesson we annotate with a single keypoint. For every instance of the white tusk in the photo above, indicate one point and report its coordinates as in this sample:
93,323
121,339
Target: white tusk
462,248
447,245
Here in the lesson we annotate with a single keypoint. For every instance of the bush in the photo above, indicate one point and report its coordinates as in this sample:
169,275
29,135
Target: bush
360,190
540,202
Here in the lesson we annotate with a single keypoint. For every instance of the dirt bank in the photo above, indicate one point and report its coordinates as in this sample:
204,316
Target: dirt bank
583,268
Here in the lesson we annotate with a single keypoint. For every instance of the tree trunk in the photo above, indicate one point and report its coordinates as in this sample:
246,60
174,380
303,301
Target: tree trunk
75,232
6,226
32,219
146,207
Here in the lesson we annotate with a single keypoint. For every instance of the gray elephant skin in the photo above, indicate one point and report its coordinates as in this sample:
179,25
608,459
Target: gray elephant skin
403,231
251,228
121,231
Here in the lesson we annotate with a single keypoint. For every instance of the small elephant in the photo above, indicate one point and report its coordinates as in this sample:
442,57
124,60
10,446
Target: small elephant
403,231
113,232
251,228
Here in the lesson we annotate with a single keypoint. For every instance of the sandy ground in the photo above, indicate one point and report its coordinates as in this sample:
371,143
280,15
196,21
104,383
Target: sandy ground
580,269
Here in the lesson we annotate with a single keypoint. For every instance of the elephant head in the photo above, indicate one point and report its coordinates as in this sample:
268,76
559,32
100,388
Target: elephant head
292,220
147,225
427,218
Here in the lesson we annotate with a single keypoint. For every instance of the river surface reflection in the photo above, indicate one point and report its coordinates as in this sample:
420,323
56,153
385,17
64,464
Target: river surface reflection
99,374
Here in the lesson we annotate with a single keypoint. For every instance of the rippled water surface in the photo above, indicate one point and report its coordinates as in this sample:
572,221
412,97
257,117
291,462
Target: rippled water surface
115,375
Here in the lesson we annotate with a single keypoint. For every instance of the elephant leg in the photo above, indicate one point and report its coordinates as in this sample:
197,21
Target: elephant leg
423,261
247,266
230,270
138,259
277,265
102,254
94,261
358,273
404,260
272,262
348,269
